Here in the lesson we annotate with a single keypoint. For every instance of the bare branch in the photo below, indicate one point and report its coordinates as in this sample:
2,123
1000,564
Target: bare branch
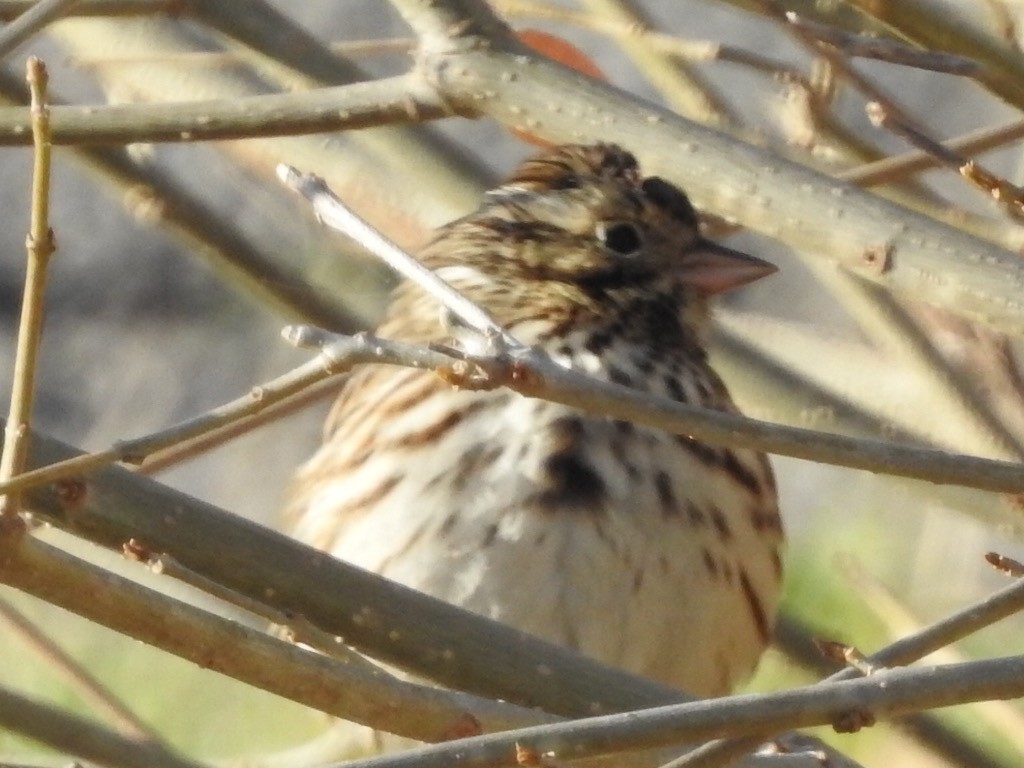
40,245
887,694
83,738
335,214
358,692
75,674
884,49
30,22
930,262
399,99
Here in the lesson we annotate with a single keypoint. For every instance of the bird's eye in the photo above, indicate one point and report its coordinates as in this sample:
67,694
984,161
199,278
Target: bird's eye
621,237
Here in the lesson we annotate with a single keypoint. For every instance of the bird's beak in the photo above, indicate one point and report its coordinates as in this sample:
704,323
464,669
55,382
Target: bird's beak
713,268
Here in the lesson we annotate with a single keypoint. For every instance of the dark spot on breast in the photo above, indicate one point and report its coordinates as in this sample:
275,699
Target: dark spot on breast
568,479
570,482
469,466
644,363
448,525
727,460
705,392
702,451
618,447
709,563
599,341
675,389
565,434
490,534
624,428
619,376
726,568
695,515
739,472
765,520
666,496
757,611
721,524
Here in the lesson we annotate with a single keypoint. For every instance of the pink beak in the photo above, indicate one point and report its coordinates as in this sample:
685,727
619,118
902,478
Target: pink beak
713,268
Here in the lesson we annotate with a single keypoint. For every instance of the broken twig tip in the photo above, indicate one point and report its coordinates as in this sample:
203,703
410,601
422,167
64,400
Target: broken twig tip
287,174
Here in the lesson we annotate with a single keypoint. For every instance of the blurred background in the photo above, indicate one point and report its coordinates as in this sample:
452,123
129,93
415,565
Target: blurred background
150,322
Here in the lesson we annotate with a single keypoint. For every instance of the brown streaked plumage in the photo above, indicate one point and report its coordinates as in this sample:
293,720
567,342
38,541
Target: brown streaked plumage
651,551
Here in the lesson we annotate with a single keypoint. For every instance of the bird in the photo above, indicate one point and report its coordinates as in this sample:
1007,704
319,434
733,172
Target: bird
654,552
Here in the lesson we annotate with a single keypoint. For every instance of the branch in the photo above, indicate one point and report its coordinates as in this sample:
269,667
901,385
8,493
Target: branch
40,245
30,22
74,674
1006,602
531,372
82,738
494,75
887,694
356,692
399,99
817,214
884,49
12,9
1002,70
393,623
331,211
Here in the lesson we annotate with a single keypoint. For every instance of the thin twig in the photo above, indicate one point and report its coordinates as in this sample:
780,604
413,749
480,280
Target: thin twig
13,9
883,49
30,22
532,373
835,59
899,619
1006,602
186,450
83,738
1009,196
157,197
334,213
355,692
1005,564
126,721
400,99
298,629
40,246
887,323
206,59
893,168
690,50
682,87
887,694
934,27
136,450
